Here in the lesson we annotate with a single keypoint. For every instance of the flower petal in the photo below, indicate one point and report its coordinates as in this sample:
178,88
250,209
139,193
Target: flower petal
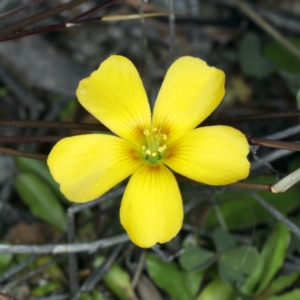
189,94
151,209
115,95
214,155
87,166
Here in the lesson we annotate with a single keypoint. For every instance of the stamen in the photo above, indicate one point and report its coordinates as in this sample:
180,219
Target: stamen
154,147
161,149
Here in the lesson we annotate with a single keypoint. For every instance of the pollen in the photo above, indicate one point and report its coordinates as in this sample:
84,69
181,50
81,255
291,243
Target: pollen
155,144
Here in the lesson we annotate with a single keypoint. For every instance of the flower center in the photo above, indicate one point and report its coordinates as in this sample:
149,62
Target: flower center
155,145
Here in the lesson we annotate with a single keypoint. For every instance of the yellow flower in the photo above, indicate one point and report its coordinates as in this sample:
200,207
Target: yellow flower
148,146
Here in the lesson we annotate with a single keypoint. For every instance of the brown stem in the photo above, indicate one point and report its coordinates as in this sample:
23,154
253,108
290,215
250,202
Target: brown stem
33,31
239,185
19,9
49,124
92,12
253,141
250,186
29,139
263,116
40,16
76,21
23,153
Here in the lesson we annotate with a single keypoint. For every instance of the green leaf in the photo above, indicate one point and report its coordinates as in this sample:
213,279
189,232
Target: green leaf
251,60
5,258
294,295
196,258
168,277
40,168
216,290
236,263
283,58
46,289
279,284
85,296
40,199
273,255
97,295
117,279
253,278
223,240
298,99
192,280
241,211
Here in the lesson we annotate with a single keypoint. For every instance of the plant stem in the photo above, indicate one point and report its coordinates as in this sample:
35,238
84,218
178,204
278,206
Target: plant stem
49,124
253,141
23,153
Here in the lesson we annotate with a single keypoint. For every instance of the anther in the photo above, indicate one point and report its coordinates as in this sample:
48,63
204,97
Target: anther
153,154
161,149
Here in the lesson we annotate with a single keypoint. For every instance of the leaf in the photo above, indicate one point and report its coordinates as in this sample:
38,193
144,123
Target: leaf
223,240
192,280
283,58
236,263
40,199
241,211
85,296
53,272
294,295
117,279
279,284
46,288
168,277
216,290
196,258
5,258
253,278
40,168
97,295
273,255
251,60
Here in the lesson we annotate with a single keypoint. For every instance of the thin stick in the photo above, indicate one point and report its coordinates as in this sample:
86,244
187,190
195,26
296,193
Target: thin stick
273,144
247,10
29,139
172,30
256,117
238,185
65,248
23,153
19,9
139,269
50,124
78,21
277,214
40,16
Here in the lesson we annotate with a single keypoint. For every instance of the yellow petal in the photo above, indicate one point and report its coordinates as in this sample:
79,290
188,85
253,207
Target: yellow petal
87,166
151,210
189,94
115,95
214,155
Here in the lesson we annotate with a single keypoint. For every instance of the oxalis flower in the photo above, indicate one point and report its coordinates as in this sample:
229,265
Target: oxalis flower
149,146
